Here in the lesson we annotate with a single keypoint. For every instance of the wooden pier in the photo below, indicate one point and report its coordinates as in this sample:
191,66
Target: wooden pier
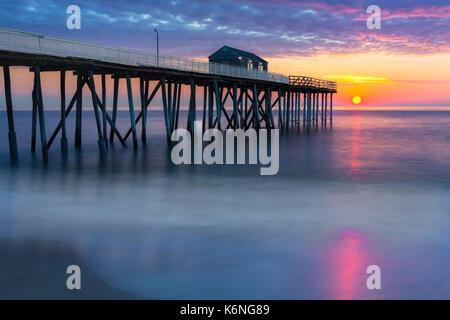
257,97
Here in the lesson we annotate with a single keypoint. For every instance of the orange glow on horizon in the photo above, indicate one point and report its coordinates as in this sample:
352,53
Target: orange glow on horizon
383,80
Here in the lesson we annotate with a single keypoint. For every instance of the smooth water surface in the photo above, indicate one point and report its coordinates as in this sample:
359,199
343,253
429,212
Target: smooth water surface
372,189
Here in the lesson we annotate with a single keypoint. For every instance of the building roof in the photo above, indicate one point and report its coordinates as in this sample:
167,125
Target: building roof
237,53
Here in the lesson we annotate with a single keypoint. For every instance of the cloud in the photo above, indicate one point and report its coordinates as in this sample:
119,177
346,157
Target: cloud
278,28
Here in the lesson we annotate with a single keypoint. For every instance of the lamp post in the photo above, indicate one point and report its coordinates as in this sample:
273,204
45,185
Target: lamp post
157,47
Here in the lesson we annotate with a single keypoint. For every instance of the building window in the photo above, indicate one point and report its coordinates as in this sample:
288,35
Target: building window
250,64
260,67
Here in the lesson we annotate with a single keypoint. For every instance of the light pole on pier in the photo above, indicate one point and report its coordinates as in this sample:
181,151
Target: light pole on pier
157,47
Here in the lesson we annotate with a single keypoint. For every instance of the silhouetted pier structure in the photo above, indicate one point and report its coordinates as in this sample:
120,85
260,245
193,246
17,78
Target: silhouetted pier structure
256,96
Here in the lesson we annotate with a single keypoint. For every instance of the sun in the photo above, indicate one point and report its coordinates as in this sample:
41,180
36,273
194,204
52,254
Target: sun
356,100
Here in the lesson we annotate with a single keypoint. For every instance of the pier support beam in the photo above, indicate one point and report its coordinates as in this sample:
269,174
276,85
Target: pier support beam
280,111
308,122
101,141
143,88
9,112
131,110
205,104
192,108
322,108
331,108
79,112
256,120
178,106
33,120
40,107
114,110
105,129
235,107
64,146
317,108
166,111
304,108
288,111
218,105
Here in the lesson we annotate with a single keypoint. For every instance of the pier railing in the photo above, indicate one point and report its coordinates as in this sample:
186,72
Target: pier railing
23,42
309,82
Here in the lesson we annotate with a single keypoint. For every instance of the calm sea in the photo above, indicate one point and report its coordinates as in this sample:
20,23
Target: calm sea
373,189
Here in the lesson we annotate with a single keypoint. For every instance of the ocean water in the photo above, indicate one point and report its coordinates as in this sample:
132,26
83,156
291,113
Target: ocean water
372,189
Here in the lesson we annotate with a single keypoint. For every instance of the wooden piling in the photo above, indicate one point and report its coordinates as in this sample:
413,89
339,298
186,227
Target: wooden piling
143,90
131,110
114,108
101,141
33,119
331,108
235,107
12,139
104,135
79,112
64,145
41,115
218,105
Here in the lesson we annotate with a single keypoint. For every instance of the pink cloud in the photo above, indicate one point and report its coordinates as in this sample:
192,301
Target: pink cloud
417,12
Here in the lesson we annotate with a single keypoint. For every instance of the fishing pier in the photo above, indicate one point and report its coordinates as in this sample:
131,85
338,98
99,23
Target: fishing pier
257,97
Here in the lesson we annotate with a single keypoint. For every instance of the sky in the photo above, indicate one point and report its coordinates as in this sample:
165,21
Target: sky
405,63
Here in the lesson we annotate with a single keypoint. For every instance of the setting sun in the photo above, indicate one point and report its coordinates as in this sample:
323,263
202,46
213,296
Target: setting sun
356,100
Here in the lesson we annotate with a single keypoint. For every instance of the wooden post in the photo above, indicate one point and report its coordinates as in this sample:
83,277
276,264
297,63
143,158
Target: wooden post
79,112
104,109
304,108
13,154
256,122
114,110
269,108
326,107
169,104
317,108
313,107
174,104
331,108
33,120
40,105
241,109
178,105
288,108
218,105
192,107
299,107
131,109
166,112
64,146
210,106
143,90
309,109
205,98
322,109
101,141
280,111
235,107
